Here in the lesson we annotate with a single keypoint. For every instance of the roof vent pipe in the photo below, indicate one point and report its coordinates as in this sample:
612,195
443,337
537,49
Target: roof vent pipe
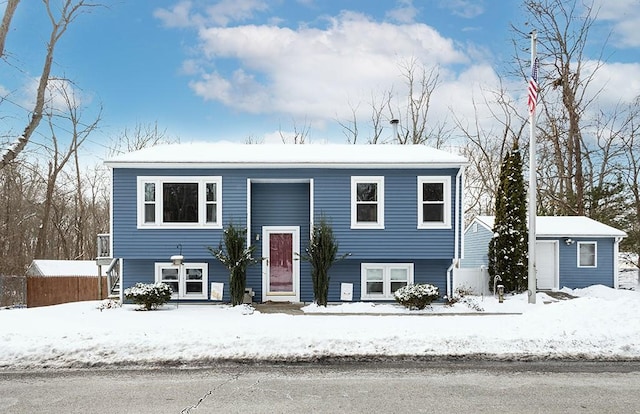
394,124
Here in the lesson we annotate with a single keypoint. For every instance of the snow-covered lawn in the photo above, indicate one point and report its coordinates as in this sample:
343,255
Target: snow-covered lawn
601,323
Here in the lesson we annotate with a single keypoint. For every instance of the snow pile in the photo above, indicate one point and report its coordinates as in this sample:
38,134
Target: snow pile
601,323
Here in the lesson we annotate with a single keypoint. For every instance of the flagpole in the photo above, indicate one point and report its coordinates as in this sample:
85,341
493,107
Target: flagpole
532,169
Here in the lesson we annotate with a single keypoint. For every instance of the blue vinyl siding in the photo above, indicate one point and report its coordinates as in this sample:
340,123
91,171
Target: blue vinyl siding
279,204
573,277
288,204
143,271
348,271
400,238
476,247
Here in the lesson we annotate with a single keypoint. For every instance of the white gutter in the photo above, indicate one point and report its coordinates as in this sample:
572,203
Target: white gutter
456,231
616,252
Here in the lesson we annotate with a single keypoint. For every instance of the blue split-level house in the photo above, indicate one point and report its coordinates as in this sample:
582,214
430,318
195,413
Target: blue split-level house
397,210
571,251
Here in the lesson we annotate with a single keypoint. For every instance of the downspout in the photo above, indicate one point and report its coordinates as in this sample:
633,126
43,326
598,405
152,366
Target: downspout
616,252
456,231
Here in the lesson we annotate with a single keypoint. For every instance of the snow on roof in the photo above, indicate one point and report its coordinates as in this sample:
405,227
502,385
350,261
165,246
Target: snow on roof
225,154
560,226
52,268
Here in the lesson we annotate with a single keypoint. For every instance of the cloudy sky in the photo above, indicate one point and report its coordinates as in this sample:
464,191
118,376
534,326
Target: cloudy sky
232,69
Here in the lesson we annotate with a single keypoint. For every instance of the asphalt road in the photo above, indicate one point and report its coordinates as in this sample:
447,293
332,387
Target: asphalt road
338,387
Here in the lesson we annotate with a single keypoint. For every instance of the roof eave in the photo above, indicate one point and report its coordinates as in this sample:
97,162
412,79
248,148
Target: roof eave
305,165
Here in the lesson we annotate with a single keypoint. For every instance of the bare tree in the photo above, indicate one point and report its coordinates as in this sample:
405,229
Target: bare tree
59,24
563,33
59,157
421,82
411,110
139,137
485,148
6,22
299,135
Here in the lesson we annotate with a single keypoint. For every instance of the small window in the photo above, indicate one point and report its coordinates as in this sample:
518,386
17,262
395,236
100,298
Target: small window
149,202
381,280
587,254
179,202
434,202
367,202
187,281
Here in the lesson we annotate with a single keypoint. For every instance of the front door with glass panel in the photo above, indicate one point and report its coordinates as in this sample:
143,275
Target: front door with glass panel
281,264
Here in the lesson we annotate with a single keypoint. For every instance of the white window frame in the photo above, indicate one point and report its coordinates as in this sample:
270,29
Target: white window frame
387,294
158,181
446,182
379,181
595,254
182,279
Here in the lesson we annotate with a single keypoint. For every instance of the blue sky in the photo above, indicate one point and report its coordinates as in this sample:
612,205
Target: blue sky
232,69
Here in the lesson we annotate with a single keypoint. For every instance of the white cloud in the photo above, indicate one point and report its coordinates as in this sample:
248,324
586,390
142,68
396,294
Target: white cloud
615,82
222,13
405,12
625,17
315,72
464,8
178,16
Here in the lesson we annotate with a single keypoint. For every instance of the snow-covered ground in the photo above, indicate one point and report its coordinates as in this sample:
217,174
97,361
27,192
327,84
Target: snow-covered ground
601,323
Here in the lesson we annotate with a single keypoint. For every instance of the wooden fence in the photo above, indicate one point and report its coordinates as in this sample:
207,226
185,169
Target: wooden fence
13,290
45,291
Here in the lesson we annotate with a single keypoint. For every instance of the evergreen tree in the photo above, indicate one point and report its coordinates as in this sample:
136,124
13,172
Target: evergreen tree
234,254
508,249
321,253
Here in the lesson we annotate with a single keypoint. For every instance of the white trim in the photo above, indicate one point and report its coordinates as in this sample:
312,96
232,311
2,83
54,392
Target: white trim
158,181
249,234
281,296
379,181
616,270
595,254
182,281
179,165
446,183
386,279
311,205
556,262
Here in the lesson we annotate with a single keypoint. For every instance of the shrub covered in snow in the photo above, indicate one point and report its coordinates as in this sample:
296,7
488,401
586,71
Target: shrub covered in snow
149,296
463,295
416,296
109,304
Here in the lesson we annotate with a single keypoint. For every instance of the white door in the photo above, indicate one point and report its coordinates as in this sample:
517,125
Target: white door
547,265
281,264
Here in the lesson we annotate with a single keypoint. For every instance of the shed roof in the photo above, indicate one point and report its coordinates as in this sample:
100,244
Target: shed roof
53,268
562,226
233,155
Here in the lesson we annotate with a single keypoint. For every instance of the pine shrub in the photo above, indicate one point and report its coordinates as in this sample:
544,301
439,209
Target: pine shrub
234,254
321,254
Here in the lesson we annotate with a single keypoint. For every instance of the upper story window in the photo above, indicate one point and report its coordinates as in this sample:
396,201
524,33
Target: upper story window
367,202
179,202
587,254
434,202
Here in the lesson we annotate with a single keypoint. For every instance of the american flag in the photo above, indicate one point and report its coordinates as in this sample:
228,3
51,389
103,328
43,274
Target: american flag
533,87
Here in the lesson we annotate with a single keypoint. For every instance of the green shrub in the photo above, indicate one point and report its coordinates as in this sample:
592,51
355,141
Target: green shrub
321,254
149,296
416,296
234,254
